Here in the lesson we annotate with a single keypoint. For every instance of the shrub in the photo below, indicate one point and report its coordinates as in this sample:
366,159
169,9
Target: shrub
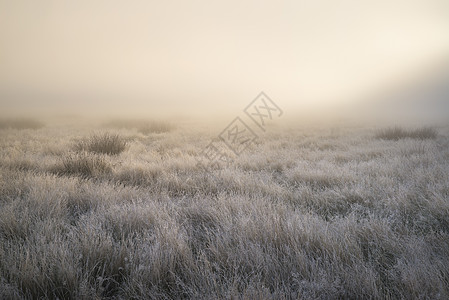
20,124
396,133
84,165
106,143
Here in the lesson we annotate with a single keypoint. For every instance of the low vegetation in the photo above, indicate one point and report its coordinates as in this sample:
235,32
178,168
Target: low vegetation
82,164
396,133
21,123
156,127
106,143
142,126
301,215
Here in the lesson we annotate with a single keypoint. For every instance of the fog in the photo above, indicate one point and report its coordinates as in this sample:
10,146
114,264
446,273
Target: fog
208,58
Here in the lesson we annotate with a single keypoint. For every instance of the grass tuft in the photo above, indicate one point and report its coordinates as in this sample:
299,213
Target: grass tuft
106,143
83,164
397,133
155,127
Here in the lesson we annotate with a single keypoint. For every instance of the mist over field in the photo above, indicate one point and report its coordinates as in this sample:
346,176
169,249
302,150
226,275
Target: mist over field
224,150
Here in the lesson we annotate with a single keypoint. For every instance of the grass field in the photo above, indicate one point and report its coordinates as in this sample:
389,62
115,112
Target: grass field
123,211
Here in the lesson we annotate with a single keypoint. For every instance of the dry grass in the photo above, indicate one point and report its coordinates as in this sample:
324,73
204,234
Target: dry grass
302,215
106,143
83,164
156,127
396,133
142,126
21,123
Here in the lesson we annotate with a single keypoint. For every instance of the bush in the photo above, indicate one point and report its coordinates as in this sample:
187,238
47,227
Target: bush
106,143
84,165
20,124
396,133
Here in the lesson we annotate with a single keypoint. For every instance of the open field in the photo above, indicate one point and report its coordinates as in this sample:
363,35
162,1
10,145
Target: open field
125,212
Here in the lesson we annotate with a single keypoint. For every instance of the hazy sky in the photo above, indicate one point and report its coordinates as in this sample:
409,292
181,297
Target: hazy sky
211,55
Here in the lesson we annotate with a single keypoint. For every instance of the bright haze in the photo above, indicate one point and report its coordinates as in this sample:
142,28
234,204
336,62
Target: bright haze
211,57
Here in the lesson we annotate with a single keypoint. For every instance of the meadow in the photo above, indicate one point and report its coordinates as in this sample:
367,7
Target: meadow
121,210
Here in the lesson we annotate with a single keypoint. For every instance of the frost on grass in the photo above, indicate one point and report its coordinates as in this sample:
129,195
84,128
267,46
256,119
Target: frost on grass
397,133
106,143
83,164
315,217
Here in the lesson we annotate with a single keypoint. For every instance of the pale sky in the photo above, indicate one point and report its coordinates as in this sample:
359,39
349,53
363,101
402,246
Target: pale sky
211,55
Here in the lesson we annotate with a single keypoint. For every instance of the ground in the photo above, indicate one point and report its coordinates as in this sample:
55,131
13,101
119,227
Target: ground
303,213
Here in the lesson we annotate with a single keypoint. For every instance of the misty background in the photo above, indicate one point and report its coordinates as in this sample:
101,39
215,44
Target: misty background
197,58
